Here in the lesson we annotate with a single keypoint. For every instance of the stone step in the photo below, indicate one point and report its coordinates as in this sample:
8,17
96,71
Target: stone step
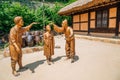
107,40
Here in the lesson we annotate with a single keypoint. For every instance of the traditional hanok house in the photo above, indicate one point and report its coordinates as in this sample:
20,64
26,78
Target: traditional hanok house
94,16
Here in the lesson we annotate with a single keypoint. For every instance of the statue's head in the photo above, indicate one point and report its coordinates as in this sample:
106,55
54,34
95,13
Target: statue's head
65,24
48,28
19,21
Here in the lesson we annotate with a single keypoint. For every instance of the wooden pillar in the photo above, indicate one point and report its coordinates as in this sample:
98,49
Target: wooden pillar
117,20
89,23
72,20
79,22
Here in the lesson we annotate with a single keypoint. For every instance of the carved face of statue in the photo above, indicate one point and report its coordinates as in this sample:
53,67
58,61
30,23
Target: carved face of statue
65,24
21,23
48,28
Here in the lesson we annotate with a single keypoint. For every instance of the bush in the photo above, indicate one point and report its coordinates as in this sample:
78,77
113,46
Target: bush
44,14
9,11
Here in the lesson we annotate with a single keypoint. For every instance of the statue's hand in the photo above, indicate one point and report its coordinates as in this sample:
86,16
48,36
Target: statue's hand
47,44
35,23
51,24
18,49
67,39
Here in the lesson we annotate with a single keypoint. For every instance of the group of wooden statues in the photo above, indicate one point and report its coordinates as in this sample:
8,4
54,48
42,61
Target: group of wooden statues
15,42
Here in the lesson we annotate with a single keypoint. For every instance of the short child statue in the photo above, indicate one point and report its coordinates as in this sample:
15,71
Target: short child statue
48,44
15,43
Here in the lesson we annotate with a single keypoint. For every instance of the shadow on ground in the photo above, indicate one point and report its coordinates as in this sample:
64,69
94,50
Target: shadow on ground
76,58
57,58
34,65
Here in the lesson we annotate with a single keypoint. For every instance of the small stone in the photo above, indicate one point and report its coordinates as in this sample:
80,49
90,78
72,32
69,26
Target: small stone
57,46
6,52
1,57
27,50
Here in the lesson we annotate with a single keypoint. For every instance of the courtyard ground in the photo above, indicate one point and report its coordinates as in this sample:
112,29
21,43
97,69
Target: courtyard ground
94,60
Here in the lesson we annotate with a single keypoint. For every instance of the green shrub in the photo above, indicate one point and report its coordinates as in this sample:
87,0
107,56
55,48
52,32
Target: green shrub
43,14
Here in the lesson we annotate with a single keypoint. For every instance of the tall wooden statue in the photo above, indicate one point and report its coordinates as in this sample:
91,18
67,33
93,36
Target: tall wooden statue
69,37
15,42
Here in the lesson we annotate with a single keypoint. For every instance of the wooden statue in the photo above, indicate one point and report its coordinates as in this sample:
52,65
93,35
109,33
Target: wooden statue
69,37
48,44
15,42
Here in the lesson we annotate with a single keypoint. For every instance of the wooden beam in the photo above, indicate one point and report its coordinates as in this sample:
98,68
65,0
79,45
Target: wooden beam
79,21
118,20
72,20
89,23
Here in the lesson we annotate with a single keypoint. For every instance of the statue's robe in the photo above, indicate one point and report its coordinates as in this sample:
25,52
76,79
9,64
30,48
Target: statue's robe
70,40
16,37
48,44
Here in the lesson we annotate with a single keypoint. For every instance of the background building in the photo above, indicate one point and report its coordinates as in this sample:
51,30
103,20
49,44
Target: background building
94,16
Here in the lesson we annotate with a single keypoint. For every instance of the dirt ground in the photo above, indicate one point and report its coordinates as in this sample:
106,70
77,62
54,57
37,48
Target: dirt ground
93,61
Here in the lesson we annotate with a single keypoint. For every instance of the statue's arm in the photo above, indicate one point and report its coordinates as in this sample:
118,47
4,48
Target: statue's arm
71,32
13,40
58,29
27,28
44,39
53,41
12,36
